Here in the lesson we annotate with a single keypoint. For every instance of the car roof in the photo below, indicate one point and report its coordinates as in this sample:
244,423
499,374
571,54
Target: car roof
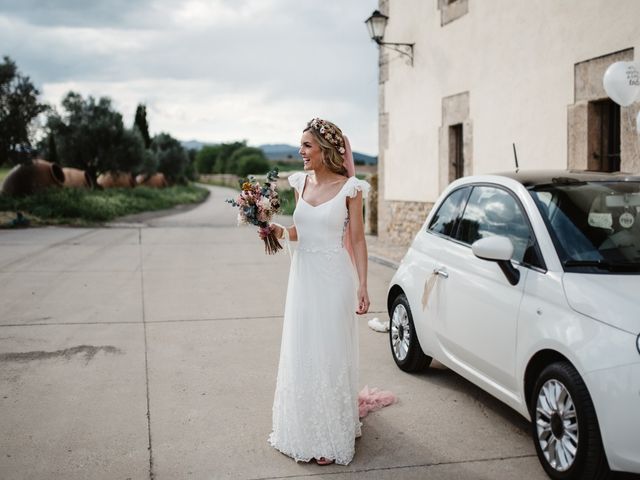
533,178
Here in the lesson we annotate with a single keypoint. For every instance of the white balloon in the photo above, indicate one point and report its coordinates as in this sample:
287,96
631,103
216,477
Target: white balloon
621,81
638,123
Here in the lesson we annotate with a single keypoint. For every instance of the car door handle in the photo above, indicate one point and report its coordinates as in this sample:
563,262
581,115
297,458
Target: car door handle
441,272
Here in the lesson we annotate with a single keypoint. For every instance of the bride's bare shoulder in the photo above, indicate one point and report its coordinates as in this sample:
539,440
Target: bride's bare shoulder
339,179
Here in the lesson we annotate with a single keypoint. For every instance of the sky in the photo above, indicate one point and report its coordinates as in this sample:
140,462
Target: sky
207,70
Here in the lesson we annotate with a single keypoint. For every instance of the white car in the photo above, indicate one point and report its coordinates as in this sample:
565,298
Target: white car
528,285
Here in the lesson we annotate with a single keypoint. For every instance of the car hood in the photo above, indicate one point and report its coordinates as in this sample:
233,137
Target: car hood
612,299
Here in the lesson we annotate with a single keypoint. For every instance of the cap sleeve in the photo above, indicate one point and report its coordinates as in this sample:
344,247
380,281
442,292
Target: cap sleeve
296,180
356,185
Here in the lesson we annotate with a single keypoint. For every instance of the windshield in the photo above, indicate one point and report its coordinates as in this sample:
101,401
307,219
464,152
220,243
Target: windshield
595,226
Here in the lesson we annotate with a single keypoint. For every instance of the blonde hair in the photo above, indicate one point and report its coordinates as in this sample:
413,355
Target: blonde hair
331,157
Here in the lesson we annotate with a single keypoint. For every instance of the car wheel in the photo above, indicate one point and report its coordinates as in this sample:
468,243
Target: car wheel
405,347
565,427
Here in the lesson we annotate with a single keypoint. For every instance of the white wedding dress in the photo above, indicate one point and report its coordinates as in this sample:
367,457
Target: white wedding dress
315,410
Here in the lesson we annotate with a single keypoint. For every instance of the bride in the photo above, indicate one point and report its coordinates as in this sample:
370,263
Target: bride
315,410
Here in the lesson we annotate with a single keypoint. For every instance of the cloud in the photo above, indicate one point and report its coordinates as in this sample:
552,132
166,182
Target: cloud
97,13
212,70
191,109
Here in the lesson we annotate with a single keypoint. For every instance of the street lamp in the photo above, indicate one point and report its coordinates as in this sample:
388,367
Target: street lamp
377,23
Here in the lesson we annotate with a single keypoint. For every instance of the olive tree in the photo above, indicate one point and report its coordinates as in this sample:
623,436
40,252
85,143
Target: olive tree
19,107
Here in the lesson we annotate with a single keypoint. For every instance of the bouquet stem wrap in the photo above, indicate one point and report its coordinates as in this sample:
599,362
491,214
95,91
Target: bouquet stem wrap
271,243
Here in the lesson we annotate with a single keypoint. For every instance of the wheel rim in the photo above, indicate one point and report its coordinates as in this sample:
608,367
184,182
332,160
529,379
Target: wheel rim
400,332
557,425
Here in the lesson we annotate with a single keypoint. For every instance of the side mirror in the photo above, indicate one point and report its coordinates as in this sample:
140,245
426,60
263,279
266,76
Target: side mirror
493,248
500,250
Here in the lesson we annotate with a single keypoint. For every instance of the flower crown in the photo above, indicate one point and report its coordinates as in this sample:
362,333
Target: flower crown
328,131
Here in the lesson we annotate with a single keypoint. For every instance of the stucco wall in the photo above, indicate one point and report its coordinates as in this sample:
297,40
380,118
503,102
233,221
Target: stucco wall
516,60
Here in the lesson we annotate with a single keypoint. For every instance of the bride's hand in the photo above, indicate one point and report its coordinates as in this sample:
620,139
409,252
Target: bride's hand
272,226
363,301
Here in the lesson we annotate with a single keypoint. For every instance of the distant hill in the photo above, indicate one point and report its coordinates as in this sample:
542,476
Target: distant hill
194,144
364,158
280,151
289,152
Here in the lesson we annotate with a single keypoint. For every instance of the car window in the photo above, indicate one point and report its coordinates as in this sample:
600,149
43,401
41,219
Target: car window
595,226
447,216
493,211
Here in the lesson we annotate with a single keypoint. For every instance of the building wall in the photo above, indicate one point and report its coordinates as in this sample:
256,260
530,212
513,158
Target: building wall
515,61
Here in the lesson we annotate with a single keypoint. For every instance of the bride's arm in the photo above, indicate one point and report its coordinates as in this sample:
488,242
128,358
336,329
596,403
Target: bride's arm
359,245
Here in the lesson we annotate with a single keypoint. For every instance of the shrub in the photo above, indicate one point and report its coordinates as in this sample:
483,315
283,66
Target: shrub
252,165
206,158
171,157
233,165
78,206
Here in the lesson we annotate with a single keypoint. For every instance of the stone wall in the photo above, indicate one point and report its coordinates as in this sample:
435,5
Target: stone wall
398,221
455,111
581,128
371,207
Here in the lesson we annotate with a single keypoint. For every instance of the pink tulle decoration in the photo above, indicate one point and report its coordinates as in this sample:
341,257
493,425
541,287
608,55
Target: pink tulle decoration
370,400
349,164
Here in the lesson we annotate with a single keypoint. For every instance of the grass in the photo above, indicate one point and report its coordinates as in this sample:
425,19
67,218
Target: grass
288,201
82,207
3,172
288,166
230,181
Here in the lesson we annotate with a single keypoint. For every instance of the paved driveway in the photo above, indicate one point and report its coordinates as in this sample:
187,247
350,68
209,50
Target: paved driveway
150,351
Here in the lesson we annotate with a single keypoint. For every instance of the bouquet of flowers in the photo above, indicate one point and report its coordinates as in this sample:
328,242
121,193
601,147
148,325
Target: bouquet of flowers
257,204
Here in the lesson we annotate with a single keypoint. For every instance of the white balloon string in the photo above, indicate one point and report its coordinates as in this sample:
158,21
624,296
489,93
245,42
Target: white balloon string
636,137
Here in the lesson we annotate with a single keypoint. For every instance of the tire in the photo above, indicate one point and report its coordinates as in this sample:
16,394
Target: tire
405,347
573,420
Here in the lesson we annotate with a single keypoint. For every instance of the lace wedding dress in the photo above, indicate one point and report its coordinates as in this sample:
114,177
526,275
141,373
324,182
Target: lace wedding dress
315,410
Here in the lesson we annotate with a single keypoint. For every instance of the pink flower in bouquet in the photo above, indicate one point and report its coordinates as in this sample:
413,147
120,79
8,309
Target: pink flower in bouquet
257,204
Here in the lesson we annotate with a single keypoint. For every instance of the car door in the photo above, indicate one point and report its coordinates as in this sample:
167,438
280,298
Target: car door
478,308
426,254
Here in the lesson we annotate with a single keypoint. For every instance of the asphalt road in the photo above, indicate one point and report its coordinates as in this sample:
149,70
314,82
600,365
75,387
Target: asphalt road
149,349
